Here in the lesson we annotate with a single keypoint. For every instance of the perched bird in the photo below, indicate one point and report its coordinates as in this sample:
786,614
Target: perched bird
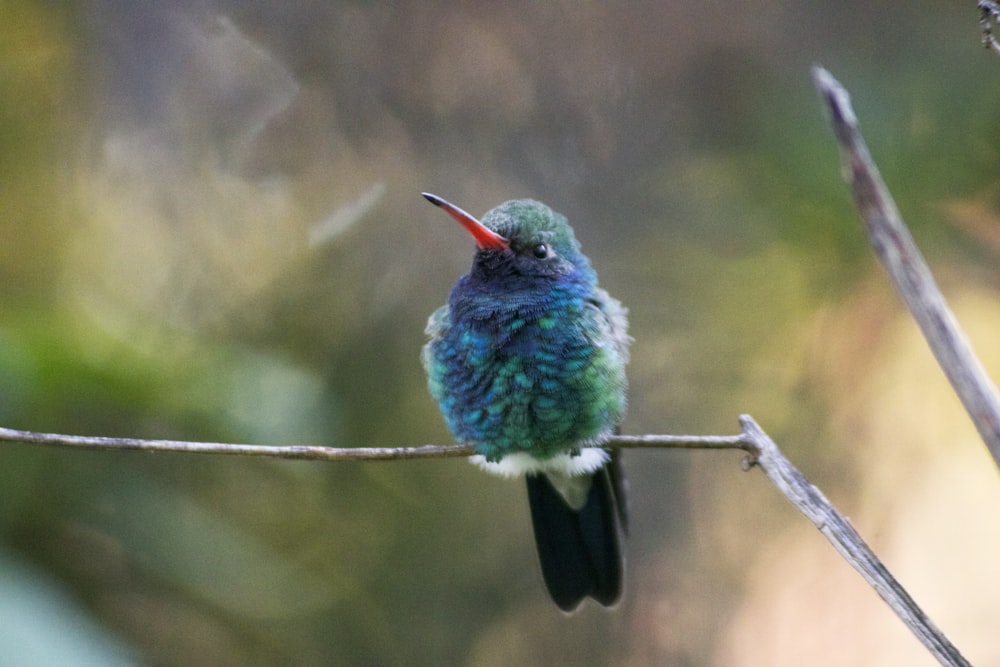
527,363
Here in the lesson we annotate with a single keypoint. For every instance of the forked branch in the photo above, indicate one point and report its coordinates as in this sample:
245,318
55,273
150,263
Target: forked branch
761,452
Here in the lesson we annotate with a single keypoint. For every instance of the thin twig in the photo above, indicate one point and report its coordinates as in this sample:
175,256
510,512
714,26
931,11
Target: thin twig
320,453
989,13
838,530
301,452
889,237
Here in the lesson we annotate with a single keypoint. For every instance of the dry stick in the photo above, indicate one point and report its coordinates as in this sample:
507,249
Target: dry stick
318,453
894,246
989,12
761,450
907,269
841,534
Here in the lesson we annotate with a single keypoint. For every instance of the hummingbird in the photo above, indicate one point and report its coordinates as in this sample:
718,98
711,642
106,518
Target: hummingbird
527,363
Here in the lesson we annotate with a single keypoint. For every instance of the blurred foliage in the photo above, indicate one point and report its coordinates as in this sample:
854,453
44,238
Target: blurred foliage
212,230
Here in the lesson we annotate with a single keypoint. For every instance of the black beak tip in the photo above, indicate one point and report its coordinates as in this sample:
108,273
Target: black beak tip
434,199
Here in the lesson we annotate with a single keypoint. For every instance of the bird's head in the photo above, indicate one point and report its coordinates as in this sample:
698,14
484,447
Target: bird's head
521,238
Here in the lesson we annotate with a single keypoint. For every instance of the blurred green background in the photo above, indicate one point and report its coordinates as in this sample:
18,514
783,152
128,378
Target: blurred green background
211,228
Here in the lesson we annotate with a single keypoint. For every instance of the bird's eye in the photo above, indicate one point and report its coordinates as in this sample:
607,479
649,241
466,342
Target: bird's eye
541,251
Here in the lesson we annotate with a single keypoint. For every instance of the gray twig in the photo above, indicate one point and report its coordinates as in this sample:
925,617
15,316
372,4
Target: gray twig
841,534
320,453
891,240
301,452
989,12
761,452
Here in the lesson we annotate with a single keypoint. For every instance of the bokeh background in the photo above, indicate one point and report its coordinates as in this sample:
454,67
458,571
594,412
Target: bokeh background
211,228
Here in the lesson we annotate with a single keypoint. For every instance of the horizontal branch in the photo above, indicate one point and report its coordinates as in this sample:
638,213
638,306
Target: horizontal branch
321,453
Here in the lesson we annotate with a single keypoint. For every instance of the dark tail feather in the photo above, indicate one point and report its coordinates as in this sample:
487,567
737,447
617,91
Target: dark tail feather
619,486
580,550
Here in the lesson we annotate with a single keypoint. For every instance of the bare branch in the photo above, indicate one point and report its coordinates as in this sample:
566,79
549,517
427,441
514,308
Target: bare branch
989,12
889,237
320,453
301,452
761,452
838,530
